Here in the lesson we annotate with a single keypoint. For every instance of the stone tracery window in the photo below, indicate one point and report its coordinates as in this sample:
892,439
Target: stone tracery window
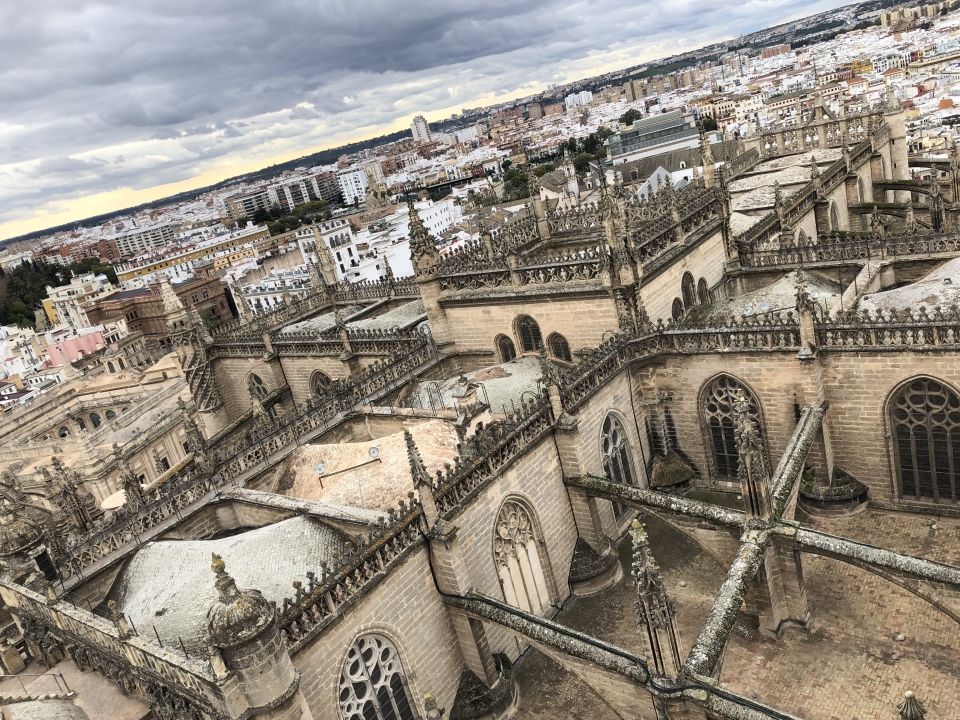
559,347
718,412
95,420
676,310
372,682
703,293
258,390
319,382
617,464
528,332
925,424
505,348
687,291
517,559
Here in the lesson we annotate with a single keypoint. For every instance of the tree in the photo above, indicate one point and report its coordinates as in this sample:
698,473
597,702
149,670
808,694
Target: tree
630,116
505,165
709,124
581,162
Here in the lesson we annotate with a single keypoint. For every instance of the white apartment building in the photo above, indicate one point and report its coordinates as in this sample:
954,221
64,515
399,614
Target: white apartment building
68,300
354,181
142,239
584,97
420,129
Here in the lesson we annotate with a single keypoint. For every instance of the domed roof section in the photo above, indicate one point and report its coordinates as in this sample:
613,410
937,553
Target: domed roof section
46,709
238,615
167,584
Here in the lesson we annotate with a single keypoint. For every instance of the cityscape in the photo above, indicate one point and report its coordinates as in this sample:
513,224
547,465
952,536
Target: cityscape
475,363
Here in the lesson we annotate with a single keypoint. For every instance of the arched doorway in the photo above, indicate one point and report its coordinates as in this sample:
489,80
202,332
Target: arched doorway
516,552
925,426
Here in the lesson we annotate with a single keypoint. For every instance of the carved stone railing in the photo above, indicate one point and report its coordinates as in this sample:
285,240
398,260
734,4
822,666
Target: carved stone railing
242,330
326,594
174,685
854,248
341,398
122,529
742,163
763,333
127,526
818,134
921,329
571,267
581,217
487,454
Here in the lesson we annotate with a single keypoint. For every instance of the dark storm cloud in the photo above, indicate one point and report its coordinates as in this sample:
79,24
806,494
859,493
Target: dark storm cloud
172,86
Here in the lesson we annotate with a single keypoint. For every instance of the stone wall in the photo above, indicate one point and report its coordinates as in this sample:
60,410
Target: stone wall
581,320
706,261
404,607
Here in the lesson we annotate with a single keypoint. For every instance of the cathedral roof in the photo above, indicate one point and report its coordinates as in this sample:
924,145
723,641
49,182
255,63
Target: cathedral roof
778,296
324,321
941,286
167,584
402,316
45,709
503,385
354,475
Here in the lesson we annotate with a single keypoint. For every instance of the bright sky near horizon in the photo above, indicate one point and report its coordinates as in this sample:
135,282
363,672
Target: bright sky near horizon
104,105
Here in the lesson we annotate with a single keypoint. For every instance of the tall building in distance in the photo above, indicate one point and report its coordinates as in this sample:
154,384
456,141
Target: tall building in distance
420,129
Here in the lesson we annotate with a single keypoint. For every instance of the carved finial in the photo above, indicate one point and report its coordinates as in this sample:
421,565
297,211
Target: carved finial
805,303
417,469
911,708
652,605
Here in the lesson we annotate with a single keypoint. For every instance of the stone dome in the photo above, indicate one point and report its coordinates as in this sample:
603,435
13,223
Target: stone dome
239,615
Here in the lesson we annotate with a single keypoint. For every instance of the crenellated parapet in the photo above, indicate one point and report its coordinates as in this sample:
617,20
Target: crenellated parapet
325,594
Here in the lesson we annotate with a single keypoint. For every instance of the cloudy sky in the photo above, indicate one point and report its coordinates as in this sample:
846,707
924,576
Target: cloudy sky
108,104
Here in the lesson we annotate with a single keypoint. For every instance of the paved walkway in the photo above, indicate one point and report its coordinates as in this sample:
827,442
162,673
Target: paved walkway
850,667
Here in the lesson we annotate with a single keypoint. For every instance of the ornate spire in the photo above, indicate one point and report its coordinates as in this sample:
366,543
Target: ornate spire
911,708
240,614
423,248
171,303
417,469
653,607
752,468
805,303
132,489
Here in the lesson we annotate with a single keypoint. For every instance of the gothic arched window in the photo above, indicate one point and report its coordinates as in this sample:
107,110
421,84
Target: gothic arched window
258,390
615,449
718,412
372,682
703,294
517,557
925,423
676,310
687,291
834,217
505,348
63,431
95,420
319,382
559,347
110,415
528,332
861,194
